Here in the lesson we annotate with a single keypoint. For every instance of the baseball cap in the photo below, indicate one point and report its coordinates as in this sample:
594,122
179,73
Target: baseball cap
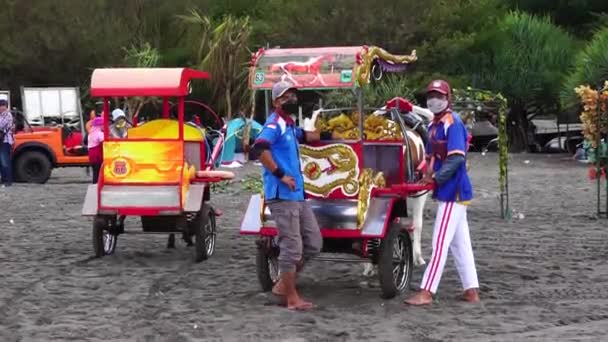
280,88
439,86
117,113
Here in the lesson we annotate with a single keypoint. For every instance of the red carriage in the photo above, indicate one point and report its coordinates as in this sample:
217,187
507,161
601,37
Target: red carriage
359,186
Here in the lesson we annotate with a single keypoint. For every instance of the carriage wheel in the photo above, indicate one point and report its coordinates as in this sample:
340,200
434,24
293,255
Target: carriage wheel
267,263
395,262
211,229
203,227
104,240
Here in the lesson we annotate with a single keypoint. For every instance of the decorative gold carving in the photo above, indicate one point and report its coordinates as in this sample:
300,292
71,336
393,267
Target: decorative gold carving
370,53
367,182
376,127
262,206
340,158
312,170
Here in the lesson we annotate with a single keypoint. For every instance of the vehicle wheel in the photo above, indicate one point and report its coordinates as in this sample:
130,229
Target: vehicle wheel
104,242
267,266
33,167
395,262
200,227
211,229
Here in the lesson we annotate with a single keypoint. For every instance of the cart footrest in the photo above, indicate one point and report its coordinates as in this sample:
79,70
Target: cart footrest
212,176
402,190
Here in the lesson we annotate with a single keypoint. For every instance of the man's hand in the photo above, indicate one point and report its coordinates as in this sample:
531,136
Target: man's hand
310,124
290,182
427,179
401,104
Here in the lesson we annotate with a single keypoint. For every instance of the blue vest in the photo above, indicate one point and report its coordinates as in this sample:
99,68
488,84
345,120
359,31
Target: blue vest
451,131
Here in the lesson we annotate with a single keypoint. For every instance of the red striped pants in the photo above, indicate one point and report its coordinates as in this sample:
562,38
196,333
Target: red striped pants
451,233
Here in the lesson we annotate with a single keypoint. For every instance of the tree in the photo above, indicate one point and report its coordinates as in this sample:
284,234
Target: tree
579,17
590,68
222,48
525,58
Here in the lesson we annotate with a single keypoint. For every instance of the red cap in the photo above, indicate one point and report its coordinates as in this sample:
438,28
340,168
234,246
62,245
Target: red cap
439,86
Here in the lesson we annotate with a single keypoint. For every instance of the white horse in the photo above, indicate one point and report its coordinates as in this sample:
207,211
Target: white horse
415,150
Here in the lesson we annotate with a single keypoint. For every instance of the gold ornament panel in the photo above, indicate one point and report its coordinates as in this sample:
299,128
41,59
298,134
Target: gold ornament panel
368,181
328,168
375,127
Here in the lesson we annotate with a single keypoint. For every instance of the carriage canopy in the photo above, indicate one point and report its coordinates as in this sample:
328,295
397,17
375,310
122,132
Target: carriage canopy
322,68
143,81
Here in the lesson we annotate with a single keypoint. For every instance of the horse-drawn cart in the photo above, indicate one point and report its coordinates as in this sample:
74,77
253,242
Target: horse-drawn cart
359,186
160,172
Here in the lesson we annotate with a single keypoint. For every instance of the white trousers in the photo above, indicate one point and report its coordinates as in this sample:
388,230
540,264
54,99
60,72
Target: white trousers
451,233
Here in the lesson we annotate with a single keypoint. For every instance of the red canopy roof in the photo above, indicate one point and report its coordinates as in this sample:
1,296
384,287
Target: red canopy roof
143,81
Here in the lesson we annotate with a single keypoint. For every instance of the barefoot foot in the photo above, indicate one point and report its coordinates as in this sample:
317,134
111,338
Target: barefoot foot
421,298
299,305
471,296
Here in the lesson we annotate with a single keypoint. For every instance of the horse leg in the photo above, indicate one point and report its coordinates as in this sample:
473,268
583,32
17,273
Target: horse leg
369,270
417,214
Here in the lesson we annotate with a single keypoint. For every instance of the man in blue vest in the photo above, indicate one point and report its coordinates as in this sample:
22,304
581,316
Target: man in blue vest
298,231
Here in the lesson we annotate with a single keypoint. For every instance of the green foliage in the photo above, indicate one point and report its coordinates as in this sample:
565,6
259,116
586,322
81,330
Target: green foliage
144,56
222,49
375,96
577,16
525,58
590,68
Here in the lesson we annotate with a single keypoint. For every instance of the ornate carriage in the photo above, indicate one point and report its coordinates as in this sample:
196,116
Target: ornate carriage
357,186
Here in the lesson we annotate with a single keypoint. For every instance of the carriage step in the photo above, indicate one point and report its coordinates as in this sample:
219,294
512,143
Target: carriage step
349,259
136,232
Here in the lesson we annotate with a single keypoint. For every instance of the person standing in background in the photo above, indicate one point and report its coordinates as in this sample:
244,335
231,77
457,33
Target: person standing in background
95,147
7,139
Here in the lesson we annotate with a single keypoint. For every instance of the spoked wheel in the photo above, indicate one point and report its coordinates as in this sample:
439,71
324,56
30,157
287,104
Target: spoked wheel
267,263
395,262
211,229
104,239
203,229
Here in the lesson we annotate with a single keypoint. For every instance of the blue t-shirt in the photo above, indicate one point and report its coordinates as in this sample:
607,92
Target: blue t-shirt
450,130
282,136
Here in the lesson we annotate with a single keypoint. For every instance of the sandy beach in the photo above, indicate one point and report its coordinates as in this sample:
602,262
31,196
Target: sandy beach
544,275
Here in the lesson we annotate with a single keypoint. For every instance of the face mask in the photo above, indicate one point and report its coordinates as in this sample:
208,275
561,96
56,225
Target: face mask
290,107
437,106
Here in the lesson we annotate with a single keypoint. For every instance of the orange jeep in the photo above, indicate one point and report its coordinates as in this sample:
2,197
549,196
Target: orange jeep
38,150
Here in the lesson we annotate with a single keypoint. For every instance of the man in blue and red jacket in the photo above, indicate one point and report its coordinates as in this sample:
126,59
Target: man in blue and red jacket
447,149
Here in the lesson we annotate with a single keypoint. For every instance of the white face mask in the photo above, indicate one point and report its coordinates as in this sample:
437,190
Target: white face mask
437,106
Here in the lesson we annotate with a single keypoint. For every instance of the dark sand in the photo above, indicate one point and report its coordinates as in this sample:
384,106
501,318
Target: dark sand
543,277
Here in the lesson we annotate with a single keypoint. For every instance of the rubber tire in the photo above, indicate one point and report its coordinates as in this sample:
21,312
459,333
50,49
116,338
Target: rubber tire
263,270
33,156
200,247
213,223
99,225
385,261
